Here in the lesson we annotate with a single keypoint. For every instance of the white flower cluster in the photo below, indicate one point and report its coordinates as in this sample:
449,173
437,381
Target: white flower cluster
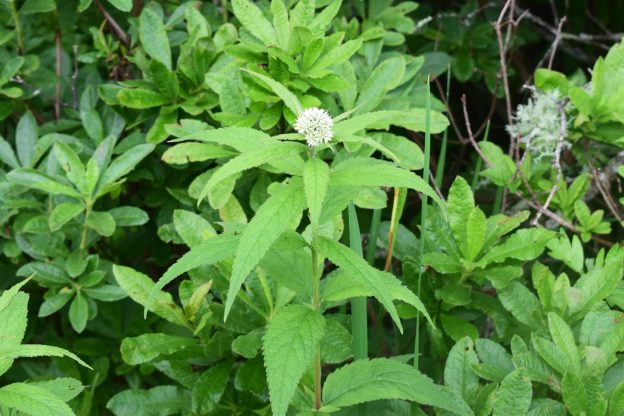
538,123
316,126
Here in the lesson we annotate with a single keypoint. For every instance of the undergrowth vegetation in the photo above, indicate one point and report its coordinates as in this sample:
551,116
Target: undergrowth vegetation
283,208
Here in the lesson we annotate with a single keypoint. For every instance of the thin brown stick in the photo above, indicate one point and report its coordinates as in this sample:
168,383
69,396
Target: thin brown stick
606,195
117,30
502,55
470,135
556,42
58,68
563,124
452,120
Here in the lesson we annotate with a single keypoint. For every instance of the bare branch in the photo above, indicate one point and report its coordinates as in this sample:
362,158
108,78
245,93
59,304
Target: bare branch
470,135
554,45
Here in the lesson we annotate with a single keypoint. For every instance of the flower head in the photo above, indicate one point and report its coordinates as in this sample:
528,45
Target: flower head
316,126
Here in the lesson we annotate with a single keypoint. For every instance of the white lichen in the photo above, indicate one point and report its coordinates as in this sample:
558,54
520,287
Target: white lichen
538,124
315,125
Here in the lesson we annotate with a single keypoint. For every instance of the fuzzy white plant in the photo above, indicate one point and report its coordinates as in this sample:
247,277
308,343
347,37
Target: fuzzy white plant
316,126
538,124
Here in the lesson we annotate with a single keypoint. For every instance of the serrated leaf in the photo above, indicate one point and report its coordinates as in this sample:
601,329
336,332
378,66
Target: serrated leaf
373,172
561,334
192,228
36,350
250,160
552,355
153,402
315,182
290,100
574,394
524,244
64,388
208,252
476,227
358,268
343,285
460,204
514,395
209,387
290,344
385,77
383,378
521,302
147,347
33,400
142,290
413,119
252,18
184,153
281,23
273,217
153,36
458,374
335,56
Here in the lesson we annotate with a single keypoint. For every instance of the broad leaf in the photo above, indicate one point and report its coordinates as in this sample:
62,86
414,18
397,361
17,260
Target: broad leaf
154,36
274,217
33,400
514,395
250,160
146,347
315,181
252,18
290,100
290,344
142,290
458,374
373,172
382,378
208,252
358,268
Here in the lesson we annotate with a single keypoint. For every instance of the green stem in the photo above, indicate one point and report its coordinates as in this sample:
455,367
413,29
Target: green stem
498,202
316,300
398,203
18,27
423,217
224,4
85,229
359,321
372,236
442,157
266,289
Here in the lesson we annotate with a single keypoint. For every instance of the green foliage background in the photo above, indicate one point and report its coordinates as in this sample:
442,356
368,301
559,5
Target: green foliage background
169,245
